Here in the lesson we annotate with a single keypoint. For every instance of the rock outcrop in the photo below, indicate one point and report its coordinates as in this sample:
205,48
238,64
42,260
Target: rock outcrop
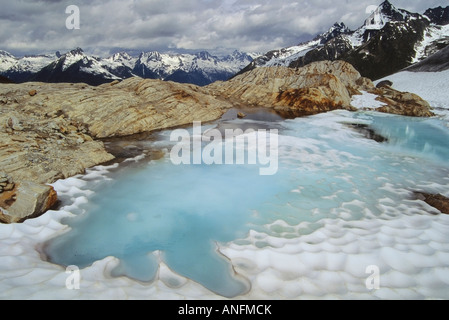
316,88
402,103
385,83
19,201
54,133
6,182
131,106
42,148
437,201
27,200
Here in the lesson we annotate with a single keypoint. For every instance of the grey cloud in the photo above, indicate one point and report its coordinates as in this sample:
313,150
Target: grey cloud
258,25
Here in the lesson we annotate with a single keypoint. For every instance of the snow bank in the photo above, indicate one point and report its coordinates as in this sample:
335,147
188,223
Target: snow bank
366,101
431,86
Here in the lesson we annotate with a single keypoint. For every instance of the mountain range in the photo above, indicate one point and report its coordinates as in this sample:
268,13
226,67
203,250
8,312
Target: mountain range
77,66
389,40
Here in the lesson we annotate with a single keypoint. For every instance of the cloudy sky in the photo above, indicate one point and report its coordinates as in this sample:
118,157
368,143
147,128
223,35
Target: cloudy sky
220,26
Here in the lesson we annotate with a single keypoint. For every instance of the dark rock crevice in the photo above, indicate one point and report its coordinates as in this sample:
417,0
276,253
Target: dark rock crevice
368,132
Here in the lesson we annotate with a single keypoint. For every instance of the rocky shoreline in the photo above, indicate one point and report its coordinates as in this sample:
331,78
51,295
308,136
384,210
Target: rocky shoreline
55,131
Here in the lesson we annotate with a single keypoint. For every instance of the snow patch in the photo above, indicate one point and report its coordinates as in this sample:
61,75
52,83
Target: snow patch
432,35
286,56
366,101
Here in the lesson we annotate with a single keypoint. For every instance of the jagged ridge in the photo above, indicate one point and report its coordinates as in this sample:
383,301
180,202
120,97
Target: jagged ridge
389,40
76,66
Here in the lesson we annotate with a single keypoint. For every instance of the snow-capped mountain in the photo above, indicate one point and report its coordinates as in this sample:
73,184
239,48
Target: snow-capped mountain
76,66
7,61
438,15
201,68
436,37
21,69
389,40
385,13
435,63
336,30
120,65
286,56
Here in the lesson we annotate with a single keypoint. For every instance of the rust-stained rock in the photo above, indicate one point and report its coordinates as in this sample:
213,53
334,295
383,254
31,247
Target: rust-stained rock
28,200
402,103
318,87
304,102
437,201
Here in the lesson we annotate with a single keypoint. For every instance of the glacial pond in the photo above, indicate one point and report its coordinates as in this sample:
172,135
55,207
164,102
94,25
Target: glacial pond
150,211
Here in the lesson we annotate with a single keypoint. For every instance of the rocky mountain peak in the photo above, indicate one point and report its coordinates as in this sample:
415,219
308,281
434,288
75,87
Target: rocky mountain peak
239,57
121,56
389,40
388,9
5,54
385,13
340,26
75,52
438,15
337,29
150,56
204,55
72,57
236,55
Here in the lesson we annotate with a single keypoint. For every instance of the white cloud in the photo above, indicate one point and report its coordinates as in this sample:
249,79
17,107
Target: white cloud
254,25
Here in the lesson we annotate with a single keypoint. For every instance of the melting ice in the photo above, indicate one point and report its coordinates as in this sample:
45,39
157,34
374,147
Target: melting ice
182,215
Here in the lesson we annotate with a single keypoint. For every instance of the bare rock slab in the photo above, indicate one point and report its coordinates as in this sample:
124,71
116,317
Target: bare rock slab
28,200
